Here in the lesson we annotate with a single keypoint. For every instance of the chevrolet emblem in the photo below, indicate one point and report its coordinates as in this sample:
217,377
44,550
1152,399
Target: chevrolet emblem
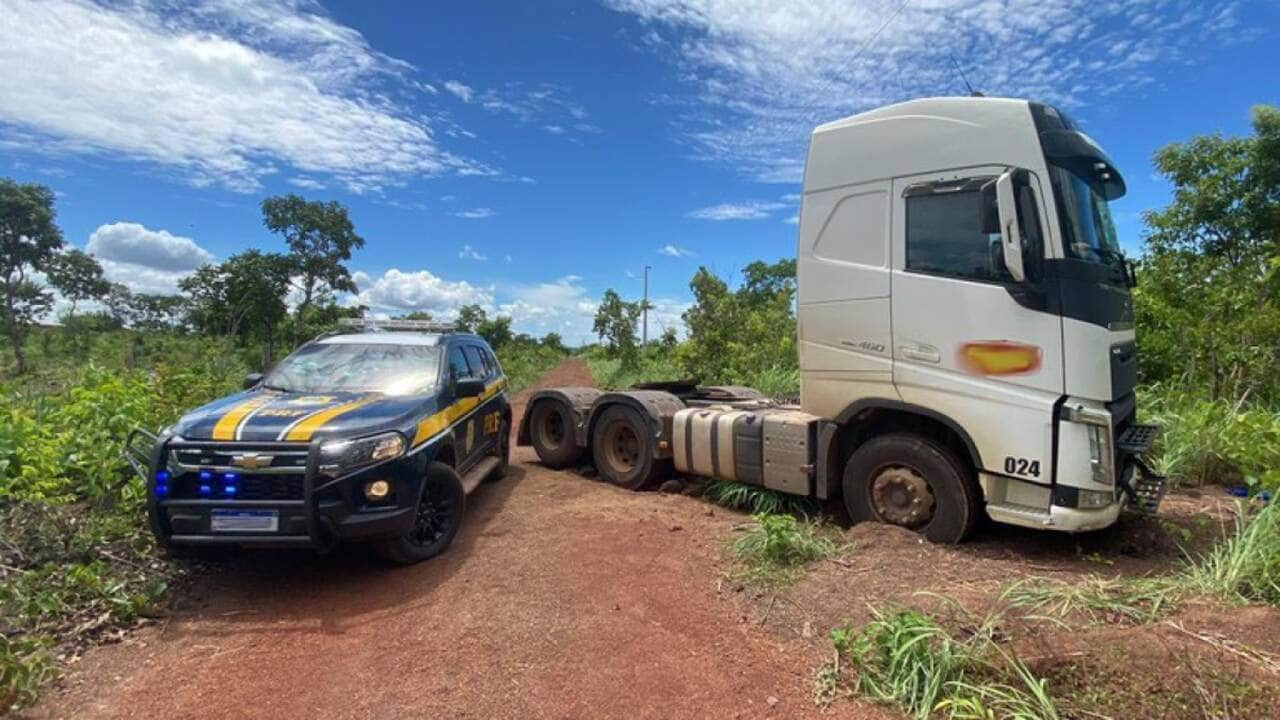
252,461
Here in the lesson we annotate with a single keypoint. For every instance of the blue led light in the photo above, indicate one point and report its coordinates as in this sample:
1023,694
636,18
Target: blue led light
206,489
229,489
162,490
229,477
162,476
206,475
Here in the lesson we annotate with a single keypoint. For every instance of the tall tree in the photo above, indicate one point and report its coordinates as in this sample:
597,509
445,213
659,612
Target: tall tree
243,297
78,276
470,317
615,325
496,332
321,238
1208,304
29,239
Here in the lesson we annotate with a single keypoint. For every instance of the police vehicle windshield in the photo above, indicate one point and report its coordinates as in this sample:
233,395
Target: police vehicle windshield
350,367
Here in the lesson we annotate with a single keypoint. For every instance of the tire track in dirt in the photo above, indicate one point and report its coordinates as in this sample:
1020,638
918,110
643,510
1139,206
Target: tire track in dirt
561,597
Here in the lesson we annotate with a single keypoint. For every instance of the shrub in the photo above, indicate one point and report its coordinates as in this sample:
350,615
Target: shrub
1204,441
758,500
774,550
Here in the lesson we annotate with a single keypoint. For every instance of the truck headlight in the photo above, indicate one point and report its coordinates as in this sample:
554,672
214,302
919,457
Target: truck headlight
347,454
1100,456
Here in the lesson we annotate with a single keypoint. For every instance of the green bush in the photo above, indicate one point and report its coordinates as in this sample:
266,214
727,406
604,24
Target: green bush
24,667
774,551
1245,567
523,362
1205,441
757,500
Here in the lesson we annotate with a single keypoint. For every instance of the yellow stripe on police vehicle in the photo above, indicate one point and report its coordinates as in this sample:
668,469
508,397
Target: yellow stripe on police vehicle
302,430
225,429
433,425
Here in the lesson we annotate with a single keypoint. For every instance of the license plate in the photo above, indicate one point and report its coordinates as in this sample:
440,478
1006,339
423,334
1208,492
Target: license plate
254,521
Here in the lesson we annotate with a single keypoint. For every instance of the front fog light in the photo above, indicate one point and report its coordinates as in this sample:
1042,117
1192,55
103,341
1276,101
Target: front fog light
1092,500
376,490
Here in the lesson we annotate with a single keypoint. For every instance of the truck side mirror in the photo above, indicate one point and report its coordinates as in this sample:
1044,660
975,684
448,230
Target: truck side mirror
1010,233
251,380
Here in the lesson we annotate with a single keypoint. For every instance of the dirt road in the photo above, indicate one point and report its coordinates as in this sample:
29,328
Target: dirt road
563,597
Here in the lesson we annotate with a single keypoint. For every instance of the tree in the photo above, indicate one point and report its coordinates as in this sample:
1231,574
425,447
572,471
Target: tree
553,341
736,335
470,317
321,238
1207,304
155,312
421,315
615,325
496,332
243,297
78,276
670,339
29,239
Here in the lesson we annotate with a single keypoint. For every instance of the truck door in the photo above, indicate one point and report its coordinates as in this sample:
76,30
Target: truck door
968,341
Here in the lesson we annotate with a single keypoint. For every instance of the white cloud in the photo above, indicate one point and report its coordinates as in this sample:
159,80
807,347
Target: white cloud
674,251
224,92
459,90
145,260
479,213
397,291
753,210
306,183
469,253
766,72
793,220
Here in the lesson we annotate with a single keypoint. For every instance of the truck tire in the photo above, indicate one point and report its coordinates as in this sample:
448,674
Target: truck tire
622,446
436,522
913,482
551,432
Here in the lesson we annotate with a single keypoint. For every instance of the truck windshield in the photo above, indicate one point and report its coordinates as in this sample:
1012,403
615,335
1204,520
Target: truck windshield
347,367
1087,230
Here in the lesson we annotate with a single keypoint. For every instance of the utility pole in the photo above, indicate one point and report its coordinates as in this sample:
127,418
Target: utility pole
644,309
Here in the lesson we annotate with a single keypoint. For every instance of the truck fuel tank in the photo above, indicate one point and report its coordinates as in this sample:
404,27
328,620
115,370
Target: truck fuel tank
773,447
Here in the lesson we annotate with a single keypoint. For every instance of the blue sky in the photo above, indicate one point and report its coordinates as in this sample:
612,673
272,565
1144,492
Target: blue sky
527,156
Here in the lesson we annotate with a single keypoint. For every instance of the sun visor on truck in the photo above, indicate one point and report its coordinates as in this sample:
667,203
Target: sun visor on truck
1078,153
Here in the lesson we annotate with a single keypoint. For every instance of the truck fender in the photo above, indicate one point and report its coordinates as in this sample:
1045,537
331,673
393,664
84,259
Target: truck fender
579,401
851,415
658,406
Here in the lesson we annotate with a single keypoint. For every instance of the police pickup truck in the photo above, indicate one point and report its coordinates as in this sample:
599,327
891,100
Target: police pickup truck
375,433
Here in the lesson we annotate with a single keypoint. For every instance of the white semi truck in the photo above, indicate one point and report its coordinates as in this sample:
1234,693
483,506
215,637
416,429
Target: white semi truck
966,338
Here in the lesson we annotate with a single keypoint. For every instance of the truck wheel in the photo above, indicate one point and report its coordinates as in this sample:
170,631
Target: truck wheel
551,431
913,482
502,451
436,522
622,446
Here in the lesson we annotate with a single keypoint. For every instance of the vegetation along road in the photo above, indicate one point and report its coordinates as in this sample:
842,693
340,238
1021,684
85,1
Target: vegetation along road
565,597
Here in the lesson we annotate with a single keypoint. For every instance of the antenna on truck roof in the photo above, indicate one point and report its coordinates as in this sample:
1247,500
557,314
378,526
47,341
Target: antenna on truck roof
972,92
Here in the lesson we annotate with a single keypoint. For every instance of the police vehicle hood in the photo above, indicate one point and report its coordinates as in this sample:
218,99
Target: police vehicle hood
262,415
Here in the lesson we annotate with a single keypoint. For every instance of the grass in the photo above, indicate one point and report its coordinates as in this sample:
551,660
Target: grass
774,552
1099,600
758,500
24,667
1245,567
907,659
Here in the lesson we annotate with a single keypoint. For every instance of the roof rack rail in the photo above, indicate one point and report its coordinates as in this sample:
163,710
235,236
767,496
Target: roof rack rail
415,325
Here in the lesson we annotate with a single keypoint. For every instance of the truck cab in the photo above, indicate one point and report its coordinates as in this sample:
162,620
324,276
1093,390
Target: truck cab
965,336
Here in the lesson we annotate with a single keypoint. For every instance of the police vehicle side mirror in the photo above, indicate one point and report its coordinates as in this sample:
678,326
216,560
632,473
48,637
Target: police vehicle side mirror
251,380
469,387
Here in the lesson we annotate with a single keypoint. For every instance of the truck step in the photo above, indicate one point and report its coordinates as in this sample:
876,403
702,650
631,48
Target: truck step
479,472
1148,490
1137,439
1019,515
